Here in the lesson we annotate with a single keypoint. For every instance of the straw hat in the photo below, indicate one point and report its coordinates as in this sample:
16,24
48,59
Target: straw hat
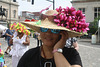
47,21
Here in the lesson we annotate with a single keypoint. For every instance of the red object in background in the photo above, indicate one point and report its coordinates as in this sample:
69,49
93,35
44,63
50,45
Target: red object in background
36,20
33,20
27,20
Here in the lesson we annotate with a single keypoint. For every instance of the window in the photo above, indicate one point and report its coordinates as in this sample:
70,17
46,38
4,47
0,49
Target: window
14,13
83,10
96,12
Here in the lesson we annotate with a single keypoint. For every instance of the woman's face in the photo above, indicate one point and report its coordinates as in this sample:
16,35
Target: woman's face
20,33
48,38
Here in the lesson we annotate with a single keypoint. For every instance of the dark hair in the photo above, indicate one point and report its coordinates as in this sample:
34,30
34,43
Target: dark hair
60,37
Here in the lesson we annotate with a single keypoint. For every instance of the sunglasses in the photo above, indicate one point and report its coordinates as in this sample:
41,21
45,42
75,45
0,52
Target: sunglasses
55,31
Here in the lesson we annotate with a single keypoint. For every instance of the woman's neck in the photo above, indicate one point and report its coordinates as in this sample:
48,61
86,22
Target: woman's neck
46,52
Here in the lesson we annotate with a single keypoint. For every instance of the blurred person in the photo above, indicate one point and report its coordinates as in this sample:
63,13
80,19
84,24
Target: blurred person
34,35
39,42
20,45
8,34
72,43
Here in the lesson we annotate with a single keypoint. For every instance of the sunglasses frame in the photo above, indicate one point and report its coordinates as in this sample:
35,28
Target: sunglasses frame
52,30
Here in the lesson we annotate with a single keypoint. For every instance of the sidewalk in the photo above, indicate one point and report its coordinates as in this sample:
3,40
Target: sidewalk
87,42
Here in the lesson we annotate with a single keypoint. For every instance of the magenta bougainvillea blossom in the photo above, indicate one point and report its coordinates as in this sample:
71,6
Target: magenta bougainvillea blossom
71,19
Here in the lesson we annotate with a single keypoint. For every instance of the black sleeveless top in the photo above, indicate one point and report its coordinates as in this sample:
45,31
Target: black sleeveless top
32,58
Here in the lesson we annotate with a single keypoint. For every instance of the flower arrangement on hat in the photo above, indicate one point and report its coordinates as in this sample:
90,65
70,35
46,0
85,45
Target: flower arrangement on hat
71,19
67,19
20,28
12,26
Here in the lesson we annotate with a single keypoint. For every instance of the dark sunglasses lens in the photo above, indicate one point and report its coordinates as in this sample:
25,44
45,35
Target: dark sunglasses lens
43,29
55,31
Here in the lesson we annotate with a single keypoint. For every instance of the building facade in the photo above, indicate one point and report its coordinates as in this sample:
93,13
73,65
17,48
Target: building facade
29,15
91,8
11,11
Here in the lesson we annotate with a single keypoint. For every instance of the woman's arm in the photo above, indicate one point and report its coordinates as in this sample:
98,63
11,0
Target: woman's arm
75,44
27,41
8,35
61,61
59,58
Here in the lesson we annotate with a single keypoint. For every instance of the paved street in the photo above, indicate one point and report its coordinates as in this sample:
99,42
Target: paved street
90,54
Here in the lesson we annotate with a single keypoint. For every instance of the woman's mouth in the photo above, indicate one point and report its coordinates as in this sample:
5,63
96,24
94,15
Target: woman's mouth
49,39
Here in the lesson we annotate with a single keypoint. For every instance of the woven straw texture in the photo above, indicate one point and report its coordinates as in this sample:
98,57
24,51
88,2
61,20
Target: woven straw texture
51,25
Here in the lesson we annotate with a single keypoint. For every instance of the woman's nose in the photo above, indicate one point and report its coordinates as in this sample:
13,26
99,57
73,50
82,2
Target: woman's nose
49,31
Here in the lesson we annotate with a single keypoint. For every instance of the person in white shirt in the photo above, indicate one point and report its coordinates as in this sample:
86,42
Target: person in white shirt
20,43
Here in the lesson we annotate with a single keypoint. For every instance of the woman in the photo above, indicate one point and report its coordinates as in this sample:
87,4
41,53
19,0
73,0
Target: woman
52,53
20,43
72,43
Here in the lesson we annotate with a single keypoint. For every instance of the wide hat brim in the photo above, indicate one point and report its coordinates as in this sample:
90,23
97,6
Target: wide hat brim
50,25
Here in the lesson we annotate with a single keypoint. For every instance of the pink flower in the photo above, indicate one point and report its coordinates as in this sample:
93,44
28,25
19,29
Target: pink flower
62,25
59,9
56,20
71,19
73,13
74,28
61,17
58,24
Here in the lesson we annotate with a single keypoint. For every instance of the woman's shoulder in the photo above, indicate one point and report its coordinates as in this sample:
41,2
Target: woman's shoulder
72,56
32,51
70,50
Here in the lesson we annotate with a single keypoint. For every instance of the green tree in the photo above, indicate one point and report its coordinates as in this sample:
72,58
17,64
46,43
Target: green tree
94,26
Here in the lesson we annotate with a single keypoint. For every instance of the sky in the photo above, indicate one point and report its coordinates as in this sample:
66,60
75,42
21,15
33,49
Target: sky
40,4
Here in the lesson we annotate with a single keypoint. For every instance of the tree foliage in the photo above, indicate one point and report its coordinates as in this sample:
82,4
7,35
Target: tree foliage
94,25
